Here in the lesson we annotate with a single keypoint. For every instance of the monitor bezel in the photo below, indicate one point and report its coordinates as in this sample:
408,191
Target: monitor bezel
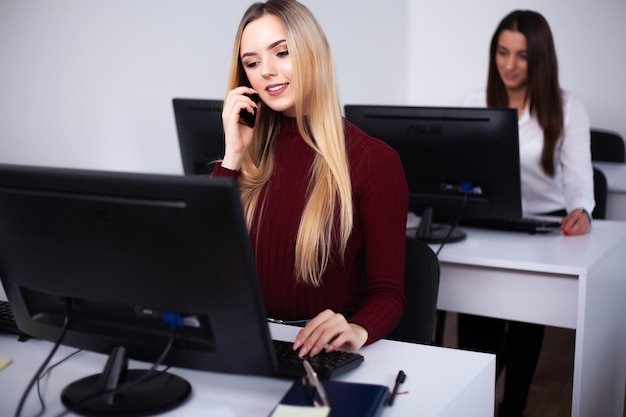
496,154
200,133
55,221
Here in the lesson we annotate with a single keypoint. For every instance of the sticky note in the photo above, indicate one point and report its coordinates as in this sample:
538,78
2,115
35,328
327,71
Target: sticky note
4,362
283,410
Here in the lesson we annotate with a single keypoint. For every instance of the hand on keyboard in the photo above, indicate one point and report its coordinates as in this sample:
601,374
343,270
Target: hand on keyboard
329,331
326,364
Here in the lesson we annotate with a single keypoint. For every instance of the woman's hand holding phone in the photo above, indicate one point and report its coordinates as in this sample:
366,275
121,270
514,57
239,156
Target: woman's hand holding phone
238,129
244,115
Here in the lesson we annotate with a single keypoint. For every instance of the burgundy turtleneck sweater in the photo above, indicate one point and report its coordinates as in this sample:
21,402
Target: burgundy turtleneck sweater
377,242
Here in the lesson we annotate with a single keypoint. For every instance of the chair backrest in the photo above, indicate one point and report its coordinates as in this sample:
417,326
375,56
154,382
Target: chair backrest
607,146
421,288
600,191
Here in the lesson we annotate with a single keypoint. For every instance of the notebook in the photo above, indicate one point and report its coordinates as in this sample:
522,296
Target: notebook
346,399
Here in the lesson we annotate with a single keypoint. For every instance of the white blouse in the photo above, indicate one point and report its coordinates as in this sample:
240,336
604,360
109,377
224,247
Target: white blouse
572,185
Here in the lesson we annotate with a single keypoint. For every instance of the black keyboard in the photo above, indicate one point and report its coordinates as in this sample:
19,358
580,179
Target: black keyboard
327,364
524,224
7,320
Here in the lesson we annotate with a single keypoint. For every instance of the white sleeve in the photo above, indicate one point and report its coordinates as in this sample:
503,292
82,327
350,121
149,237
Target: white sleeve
576,156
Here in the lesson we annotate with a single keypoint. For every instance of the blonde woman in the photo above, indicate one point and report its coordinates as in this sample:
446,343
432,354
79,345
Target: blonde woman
325,204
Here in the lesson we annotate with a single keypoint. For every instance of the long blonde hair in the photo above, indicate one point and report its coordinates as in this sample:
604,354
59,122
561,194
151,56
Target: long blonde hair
319,121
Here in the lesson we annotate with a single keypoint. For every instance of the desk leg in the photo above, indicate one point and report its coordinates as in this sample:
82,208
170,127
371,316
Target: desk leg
600,352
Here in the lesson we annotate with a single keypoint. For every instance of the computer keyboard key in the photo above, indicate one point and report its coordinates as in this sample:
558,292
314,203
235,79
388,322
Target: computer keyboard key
524,224
7,320
327,365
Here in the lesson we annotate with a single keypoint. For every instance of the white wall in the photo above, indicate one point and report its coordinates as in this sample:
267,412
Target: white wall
88,83
450,40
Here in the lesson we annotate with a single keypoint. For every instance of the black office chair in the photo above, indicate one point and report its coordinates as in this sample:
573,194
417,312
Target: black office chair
600,191
607,146
421,288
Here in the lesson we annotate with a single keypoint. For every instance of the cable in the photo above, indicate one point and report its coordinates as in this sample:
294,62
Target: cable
144,377
44,369
47,372
456,221
440,317
39,372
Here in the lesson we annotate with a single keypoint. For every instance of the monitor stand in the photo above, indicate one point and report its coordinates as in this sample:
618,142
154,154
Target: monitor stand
430,232
158,393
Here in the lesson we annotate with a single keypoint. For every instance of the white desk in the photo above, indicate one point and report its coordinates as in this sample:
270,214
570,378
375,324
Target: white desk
441,382
576,282
616,180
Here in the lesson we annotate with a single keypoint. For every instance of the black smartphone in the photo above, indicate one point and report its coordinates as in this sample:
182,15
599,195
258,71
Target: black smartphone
247,117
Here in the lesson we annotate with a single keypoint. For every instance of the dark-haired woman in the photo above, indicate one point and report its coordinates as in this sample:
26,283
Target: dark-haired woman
556,175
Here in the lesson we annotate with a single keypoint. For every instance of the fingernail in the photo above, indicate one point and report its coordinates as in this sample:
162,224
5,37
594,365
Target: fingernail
565,232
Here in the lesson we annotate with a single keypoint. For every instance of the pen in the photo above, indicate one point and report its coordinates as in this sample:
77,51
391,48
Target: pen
315,384
399,380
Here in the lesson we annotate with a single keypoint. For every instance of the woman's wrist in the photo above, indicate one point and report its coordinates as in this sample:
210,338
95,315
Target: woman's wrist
232,162
361,334
586,213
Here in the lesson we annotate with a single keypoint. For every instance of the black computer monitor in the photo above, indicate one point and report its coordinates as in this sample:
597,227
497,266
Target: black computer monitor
200,133
459,162
117,254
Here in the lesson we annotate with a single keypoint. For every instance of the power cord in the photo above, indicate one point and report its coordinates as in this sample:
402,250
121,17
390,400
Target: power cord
40,371
44,370
441,314
148,374
465,190
48,371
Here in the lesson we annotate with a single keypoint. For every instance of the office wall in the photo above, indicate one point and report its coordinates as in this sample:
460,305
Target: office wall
450,54
88,84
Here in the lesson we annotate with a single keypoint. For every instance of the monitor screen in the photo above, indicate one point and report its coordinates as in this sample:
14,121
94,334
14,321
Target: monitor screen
116,256
459,162
200,133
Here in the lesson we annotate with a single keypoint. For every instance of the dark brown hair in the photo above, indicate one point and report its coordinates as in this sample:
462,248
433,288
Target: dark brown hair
543,91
